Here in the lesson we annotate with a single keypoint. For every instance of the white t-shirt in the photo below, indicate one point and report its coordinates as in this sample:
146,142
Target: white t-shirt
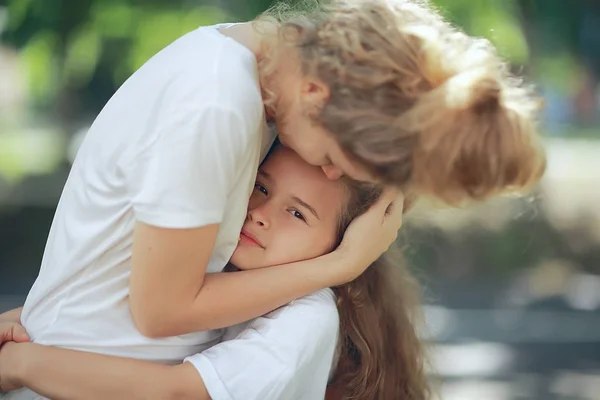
177,146
287,354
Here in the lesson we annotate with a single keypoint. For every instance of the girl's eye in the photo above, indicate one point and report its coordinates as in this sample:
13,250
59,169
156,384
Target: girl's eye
297,214
261,188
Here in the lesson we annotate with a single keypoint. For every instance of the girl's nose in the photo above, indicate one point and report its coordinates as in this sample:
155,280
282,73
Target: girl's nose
259,216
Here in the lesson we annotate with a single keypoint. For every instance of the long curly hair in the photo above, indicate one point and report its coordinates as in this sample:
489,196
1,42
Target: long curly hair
381,356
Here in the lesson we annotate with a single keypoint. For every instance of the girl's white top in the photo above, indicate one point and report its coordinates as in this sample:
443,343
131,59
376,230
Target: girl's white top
177,146
288,354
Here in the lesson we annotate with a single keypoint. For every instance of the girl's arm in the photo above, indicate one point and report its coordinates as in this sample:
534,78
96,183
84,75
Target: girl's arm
67,374
171,295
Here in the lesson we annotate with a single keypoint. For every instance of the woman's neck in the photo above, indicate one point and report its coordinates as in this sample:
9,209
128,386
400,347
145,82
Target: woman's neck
261,38
252,35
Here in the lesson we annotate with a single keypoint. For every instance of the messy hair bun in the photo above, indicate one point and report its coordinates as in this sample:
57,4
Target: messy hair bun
476,126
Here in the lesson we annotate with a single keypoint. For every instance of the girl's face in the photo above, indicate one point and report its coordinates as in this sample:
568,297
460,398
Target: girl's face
292,214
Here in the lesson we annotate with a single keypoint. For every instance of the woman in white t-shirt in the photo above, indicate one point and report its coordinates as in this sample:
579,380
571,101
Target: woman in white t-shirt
369,348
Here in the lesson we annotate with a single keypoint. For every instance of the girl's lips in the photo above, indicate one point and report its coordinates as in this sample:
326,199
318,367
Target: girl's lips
249,239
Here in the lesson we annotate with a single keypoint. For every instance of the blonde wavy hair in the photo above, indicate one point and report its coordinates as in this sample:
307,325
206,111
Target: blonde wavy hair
415,100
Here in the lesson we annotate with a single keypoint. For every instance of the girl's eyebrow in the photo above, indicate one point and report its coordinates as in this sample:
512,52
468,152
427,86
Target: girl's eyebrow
304,204
296,199
264,175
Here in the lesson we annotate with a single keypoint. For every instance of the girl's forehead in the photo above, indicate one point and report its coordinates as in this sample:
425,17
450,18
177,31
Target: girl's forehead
283,161
292,174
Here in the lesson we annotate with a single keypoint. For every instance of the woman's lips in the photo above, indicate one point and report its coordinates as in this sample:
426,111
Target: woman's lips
249,239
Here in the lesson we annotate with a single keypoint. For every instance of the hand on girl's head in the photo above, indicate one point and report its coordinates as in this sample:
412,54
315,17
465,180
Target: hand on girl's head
395,200
371,234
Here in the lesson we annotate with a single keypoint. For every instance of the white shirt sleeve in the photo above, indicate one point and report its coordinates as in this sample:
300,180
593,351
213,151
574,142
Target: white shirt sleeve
183,176
286,354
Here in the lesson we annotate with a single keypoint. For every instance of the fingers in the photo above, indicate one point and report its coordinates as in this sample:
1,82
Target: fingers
19,334
389,207
395,208
389,194
383,205
13,332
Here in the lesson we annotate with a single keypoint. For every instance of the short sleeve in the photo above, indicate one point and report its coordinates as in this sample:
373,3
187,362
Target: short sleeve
182,178
286,354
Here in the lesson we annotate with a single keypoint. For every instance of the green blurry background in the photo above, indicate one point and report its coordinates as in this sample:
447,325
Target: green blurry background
513,291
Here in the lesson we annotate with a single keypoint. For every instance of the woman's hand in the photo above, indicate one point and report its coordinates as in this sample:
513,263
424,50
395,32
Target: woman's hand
371,234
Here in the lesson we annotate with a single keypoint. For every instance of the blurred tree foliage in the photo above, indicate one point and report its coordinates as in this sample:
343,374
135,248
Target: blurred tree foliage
81,50
77,52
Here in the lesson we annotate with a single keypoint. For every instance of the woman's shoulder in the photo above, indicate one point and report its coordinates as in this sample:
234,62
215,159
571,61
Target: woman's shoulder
204,68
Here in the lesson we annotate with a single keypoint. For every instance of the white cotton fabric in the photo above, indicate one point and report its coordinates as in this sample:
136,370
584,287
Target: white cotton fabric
287,354
177,146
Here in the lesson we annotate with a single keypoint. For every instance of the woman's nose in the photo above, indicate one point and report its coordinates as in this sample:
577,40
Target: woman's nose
332,172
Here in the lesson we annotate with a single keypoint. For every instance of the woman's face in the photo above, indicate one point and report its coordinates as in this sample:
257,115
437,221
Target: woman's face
298,130
292,214
317,147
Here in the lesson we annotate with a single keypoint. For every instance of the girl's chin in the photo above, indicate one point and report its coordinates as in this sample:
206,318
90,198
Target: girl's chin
246,267
244,262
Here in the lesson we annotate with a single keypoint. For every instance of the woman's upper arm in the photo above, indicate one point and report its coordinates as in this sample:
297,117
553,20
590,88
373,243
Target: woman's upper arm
182,177
167,274
179,186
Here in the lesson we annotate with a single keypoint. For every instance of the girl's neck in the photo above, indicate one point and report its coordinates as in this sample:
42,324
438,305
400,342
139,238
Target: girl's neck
230,268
